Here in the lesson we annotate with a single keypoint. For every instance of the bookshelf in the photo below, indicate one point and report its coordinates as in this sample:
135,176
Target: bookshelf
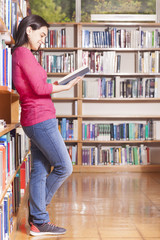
93,109
14,147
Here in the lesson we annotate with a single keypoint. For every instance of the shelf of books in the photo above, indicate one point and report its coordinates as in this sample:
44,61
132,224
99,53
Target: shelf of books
14,145
116,106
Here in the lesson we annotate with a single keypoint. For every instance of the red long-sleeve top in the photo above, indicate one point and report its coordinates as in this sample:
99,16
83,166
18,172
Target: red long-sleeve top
29,79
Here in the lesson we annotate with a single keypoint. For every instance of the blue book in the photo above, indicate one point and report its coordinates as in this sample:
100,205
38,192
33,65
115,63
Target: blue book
7,67
111,155
64,128
103,87
86,38
124,131
115,131
6,222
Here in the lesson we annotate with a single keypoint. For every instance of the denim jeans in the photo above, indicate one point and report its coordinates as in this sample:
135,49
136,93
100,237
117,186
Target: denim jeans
47,149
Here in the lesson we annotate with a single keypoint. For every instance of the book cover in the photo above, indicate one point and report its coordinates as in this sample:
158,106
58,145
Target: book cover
79,72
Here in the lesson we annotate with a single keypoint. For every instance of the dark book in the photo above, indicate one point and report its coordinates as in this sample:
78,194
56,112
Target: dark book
79,72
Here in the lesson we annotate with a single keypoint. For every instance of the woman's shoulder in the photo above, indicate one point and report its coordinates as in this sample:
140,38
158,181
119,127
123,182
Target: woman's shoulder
22,53
22,50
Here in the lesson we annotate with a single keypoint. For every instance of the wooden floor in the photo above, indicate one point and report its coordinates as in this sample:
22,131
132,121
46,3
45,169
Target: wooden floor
104,206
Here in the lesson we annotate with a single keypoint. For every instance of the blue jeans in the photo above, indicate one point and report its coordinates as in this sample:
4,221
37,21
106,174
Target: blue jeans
47,149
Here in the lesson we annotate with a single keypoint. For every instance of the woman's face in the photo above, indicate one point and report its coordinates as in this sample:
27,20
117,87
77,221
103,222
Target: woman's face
36,37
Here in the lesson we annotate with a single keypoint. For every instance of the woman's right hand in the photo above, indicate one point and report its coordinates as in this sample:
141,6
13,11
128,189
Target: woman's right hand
60,88
73,82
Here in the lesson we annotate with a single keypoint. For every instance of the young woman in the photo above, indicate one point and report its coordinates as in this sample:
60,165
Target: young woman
38,119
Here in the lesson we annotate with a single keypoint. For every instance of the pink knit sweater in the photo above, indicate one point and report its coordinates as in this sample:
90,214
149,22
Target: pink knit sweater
29,79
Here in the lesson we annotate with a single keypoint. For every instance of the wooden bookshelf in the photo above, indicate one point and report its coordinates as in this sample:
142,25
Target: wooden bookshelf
121,49
117,168
56,99
120,142
144,75
6,34
67,116
9,112
121,100
10,180
76,46
119,117
64,49
9,128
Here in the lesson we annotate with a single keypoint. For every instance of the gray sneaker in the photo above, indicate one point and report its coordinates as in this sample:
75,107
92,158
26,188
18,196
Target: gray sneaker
46,229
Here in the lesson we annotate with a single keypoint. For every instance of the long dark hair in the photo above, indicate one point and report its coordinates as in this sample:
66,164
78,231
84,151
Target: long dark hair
35,22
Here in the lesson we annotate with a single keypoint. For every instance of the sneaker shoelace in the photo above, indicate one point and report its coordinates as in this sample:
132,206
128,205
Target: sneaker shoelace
51,224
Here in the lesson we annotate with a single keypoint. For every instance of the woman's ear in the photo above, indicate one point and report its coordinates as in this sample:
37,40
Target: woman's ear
28,30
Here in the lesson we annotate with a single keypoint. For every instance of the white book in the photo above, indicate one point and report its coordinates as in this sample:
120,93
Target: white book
1,60
75,129
79,72
1,170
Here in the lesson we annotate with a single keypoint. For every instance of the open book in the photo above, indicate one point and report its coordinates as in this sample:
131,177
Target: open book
79,72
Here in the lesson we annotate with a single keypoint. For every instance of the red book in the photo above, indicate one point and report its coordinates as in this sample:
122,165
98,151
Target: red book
3,149
9,167
51,39
63,37
23,177
92,63
148,157
70,152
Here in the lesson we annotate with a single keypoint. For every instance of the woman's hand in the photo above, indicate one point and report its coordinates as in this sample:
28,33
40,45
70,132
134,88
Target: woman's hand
60,88
73,82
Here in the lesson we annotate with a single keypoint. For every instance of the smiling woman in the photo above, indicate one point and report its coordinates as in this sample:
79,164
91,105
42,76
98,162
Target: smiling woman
38,119
33,28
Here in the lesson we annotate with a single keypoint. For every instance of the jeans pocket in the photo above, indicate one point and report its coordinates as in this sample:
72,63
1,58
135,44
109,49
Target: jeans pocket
29,131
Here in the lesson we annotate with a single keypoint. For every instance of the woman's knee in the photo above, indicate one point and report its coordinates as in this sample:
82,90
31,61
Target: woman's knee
65,170
68,169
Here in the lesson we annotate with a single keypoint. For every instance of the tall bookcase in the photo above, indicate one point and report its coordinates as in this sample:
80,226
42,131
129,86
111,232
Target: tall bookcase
17,162
109,109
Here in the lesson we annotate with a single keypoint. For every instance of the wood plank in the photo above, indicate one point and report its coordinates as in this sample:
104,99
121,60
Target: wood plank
117,168
9,128
121,100
117,117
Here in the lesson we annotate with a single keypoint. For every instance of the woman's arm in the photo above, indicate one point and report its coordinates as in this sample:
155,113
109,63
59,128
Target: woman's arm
60,88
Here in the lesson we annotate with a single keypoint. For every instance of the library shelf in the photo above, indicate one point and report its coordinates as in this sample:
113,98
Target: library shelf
118,24
57,49
121,49
113,142
122,75
119,117
67,116
6,90
117,168
3,30
75,45
56,99
3,27
71,141
121,100
9,128
63,24
55,74
10,179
